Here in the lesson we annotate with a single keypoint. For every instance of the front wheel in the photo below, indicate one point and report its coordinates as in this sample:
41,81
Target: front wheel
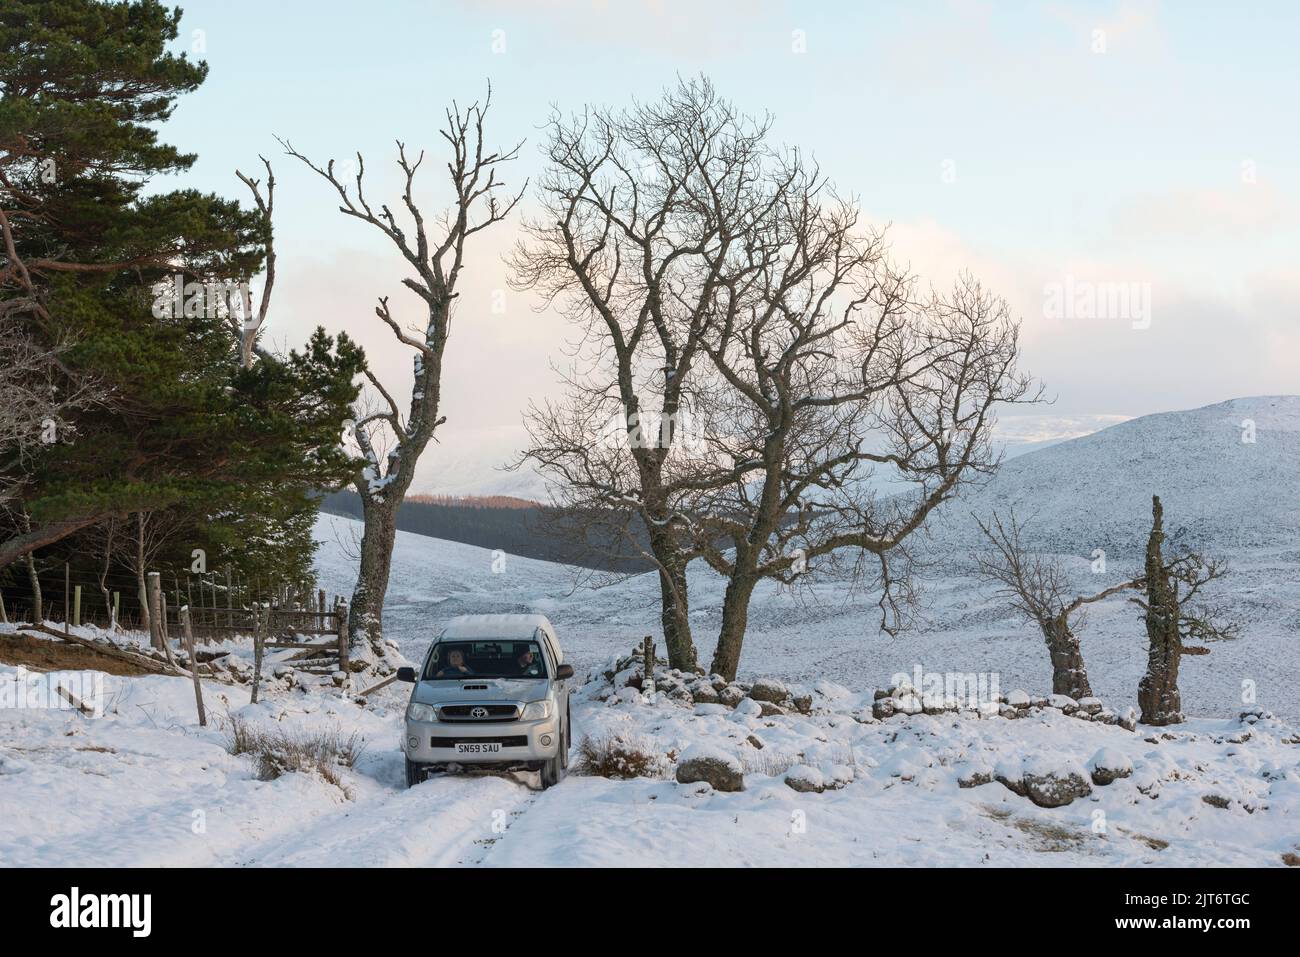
415,773
552,770
565,741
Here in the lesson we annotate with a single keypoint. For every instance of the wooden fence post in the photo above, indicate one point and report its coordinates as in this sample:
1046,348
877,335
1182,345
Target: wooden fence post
341,620
155,636
66,606
4,617
230,602
155,616
117,604
648,666
260,618
188,632
76,606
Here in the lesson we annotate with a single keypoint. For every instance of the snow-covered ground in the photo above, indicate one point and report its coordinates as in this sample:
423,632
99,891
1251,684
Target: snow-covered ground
144,785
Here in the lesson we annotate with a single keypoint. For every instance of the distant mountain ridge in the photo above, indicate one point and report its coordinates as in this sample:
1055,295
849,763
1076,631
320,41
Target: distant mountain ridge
1228,474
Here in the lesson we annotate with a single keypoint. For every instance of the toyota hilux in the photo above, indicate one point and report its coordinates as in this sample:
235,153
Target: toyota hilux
492,692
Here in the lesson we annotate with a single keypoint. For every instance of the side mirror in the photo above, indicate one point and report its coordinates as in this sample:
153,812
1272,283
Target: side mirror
408,675
564,671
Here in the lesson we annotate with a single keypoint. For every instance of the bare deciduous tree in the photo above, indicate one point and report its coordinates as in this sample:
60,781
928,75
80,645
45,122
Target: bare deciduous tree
646,241
244,325
436,260
1039,589
837,372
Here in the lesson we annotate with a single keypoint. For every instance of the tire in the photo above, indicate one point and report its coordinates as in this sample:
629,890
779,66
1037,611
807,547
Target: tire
415,773
552,771
566,738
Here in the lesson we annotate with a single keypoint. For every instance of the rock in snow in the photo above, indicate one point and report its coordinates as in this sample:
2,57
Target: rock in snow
806,780
701,762
1108,765
769,689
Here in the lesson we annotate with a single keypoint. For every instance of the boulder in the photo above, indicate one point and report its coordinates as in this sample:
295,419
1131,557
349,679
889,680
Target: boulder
1063,703
805,779
731,695
908,703
703,693
841,775
1090,705
975,776
803,703
768,709
882,709
711,765
769,689
1011,776
680,696
1019,699
1056,787
1108,766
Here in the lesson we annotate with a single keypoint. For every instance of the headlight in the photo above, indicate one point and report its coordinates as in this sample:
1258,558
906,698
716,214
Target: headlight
536,711
421,712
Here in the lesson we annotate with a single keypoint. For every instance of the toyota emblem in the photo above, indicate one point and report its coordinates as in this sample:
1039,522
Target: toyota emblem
479,713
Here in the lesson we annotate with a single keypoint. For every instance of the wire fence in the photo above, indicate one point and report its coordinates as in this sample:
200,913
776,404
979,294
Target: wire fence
221,604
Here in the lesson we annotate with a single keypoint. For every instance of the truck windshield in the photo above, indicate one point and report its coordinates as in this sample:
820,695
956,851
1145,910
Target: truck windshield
494,658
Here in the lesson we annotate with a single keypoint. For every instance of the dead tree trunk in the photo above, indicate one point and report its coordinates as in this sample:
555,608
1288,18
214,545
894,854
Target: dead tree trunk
1158,695
1069,675
435,263
366,618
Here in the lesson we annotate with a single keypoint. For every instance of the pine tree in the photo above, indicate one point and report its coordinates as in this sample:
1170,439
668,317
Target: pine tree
185,426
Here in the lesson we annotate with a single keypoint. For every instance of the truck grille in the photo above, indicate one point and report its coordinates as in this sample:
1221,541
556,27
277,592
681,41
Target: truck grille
478,712
509,741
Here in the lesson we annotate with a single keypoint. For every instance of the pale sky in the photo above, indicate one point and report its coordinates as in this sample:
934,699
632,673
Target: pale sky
1053,149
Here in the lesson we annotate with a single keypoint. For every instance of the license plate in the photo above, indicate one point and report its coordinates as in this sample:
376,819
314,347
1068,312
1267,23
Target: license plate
486,747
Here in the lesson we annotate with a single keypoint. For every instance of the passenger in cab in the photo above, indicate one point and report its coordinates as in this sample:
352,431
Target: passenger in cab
527,663
455,665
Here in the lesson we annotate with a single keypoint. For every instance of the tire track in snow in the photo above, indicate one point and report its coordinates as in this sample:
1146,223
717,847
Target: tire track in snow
440,823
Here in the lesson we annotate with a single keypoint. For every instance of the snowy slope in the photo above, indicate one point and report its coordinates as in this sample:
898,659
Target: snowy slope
1095,491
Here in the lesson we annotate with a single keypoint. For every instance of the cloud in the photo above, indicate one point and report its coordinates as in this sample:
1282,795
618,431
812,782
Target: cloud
1247,211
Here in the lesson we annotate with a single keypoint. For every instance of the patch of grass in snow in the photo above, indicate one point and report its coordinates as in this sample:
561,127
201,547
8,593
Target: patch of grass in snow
771,763
618,756
1155,843
1051,837
278,752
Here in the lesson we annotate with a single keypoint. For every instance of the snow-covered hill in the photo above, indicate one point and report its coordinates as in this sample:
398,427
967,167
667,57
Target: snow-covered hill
1228,476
